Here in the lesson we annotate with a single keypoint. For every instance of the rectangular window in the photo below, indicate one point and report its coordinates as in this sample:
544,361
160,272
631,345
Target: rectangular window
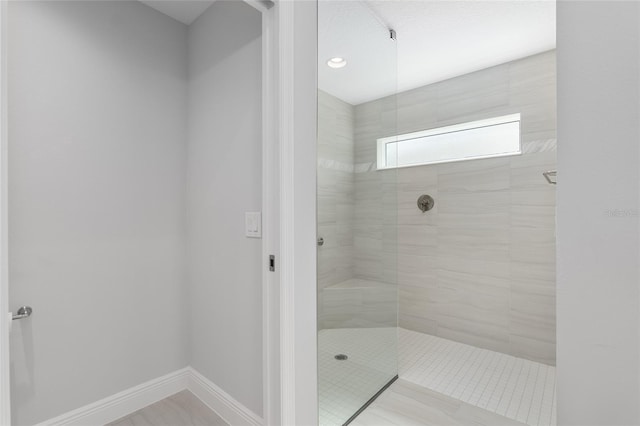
493,137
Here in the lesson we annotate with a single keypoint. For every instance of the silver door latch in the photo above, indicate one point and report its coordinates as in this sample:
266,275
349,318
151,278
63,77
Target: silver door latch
23,312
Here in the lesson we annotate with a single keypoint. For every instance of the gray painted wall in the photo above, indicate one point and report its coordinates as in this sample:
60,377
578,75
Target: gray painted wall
97,123
599,128
224,180
126,125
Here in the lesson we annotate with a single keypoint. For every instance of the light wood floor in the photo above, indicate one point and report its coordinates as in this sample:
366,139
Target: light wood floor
181,409
407,404
403,404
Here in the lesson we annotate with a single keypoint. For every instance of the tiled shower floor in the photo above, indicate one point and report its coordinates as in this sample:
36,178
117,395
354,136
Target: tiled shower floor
513,387
344,386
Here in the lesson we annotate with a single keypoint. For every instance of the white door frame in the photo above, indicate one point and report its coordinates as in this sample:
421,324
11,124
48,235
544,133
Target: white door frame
289,207
297,93
270,212
289,37
289,128
5,383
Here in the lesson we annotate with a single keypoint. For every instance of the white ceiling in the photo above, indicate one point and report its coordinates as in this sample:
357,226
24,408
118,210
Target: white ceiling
185,11
436,40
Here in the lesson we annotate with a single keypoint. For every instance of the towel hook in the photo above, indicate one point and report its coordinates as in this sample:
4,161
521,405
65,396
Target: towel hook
551,174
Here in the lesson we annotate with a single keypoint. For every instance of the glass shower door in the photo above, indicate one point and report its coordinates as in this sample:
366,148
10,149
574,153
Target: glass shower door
357,209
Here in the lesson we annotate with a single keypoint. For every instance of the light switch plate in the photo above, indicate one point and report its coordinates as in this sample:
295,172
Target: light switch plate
253,224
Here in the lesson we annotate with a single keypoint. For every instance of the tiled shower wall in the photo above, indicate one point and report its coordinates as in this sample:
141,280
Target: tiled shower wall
362,291
335,193
480,267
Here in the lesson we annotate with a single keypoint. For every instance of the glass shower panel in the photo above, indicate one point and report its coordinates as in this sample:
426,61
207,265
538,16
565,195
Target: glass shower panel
357,210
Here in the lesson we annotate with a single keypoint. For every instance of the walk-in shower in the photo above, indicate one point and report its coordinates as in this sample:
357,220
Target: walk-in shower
436,215
357,268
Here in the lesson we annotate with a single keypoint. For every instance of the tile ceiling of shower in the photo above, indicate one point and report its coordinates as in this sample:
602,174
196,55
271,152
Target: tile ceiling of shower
185,11
437,40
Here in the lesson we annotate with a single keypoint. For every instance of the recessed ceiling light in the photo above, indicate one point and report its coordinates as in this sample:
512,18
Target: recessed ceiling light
337,62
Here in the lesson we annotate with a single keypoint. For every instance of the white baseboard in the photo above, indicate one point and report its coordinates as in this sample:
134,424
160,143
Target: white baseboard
221,402
126,402
123,403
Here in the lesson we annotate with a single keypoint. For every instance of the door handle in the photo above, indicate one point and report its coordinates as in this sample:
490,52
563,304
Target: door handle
23,312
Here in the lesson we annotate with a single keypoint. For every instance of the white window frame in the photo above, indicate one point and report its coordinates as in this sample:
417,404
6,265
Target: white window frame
383,142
